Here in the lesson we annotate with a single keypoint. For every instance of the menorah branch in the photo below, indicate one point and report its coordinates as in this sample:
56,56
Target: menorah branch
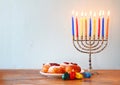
92,37
98,46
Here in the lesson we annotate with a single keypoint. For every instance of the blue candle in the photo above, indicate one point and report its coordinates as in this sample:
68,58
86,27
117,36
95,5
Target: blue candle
103,27
90,28
72,25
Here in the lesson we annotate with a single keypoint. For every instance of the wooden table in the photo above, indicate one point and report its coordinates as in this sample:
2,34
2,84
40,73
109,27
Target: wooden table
33,77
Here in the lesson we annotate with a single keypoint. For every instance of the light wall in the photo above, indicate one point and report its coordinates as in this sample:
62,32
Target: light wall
33,32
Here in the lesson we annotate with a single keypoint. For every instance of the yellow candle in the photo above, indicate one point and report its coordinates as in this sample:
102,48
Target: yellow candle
94,25
81,24
107,25
86,25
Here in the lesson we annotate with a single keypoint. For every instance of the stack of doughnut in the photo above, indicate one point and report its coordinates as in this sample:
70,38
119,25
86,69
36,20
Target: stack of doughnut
60,68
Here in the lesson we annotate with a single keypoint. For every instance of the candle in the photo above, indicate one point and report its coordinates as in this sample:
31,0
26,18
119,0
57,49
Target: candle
90,24
94,26
90,27
72,23
103,24
81,24
107,26
99,24
76,25
85,25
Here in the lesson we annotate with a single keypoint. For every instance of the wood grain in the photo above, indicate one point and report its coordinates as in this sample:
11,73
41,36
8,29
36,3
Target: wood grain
33,77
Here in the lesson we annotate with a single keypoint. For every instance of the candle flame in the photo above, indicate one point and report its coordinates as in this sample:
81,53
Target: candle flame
100,13
108,13
85,14
82,13
73,12
94,14
76,13
103,12
90,13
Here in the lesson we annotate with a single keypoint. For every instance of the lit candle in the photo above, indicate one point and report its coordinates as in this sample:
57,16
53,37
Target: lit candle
76,25
85,25
72,23
81,24
90,24
103,24
107,26
94,26
99,24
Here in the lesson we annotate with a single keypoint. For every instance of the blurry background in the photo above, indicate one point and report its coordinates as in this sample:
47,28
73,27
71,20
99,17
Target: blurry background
33,32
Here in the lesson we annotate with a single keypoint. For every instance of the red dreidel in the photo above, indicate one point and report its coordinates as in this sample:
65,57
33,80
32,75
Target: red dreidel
72,75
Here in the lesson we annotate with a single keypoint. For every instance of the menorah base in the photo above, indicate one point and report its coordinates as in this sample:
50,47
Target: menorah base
93,72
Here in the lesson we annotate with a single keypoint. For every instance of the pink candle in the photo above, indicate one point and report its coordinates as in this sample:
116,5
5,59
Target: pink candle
76,26
99,25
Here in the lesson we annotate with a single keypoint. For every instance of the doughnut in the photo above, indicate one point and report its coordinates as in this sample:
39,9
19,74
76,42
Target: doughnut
47,66
60,68
71,67
56,69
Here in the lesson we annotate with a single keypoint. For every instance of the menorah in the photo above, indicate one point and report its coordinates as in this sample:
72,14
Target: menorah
86,41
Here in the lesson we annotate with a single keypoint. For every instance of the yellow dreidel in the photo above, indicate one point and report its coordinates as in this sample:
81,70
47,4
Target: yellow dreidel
79,76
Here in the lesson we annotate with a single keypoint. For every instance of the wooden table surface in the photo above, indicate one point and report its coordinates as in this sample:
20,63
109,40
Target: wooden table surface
33,77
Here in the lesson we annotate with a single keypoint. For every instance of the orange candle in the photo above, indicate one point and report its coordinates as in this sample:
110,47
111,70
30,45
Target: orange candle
107,25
